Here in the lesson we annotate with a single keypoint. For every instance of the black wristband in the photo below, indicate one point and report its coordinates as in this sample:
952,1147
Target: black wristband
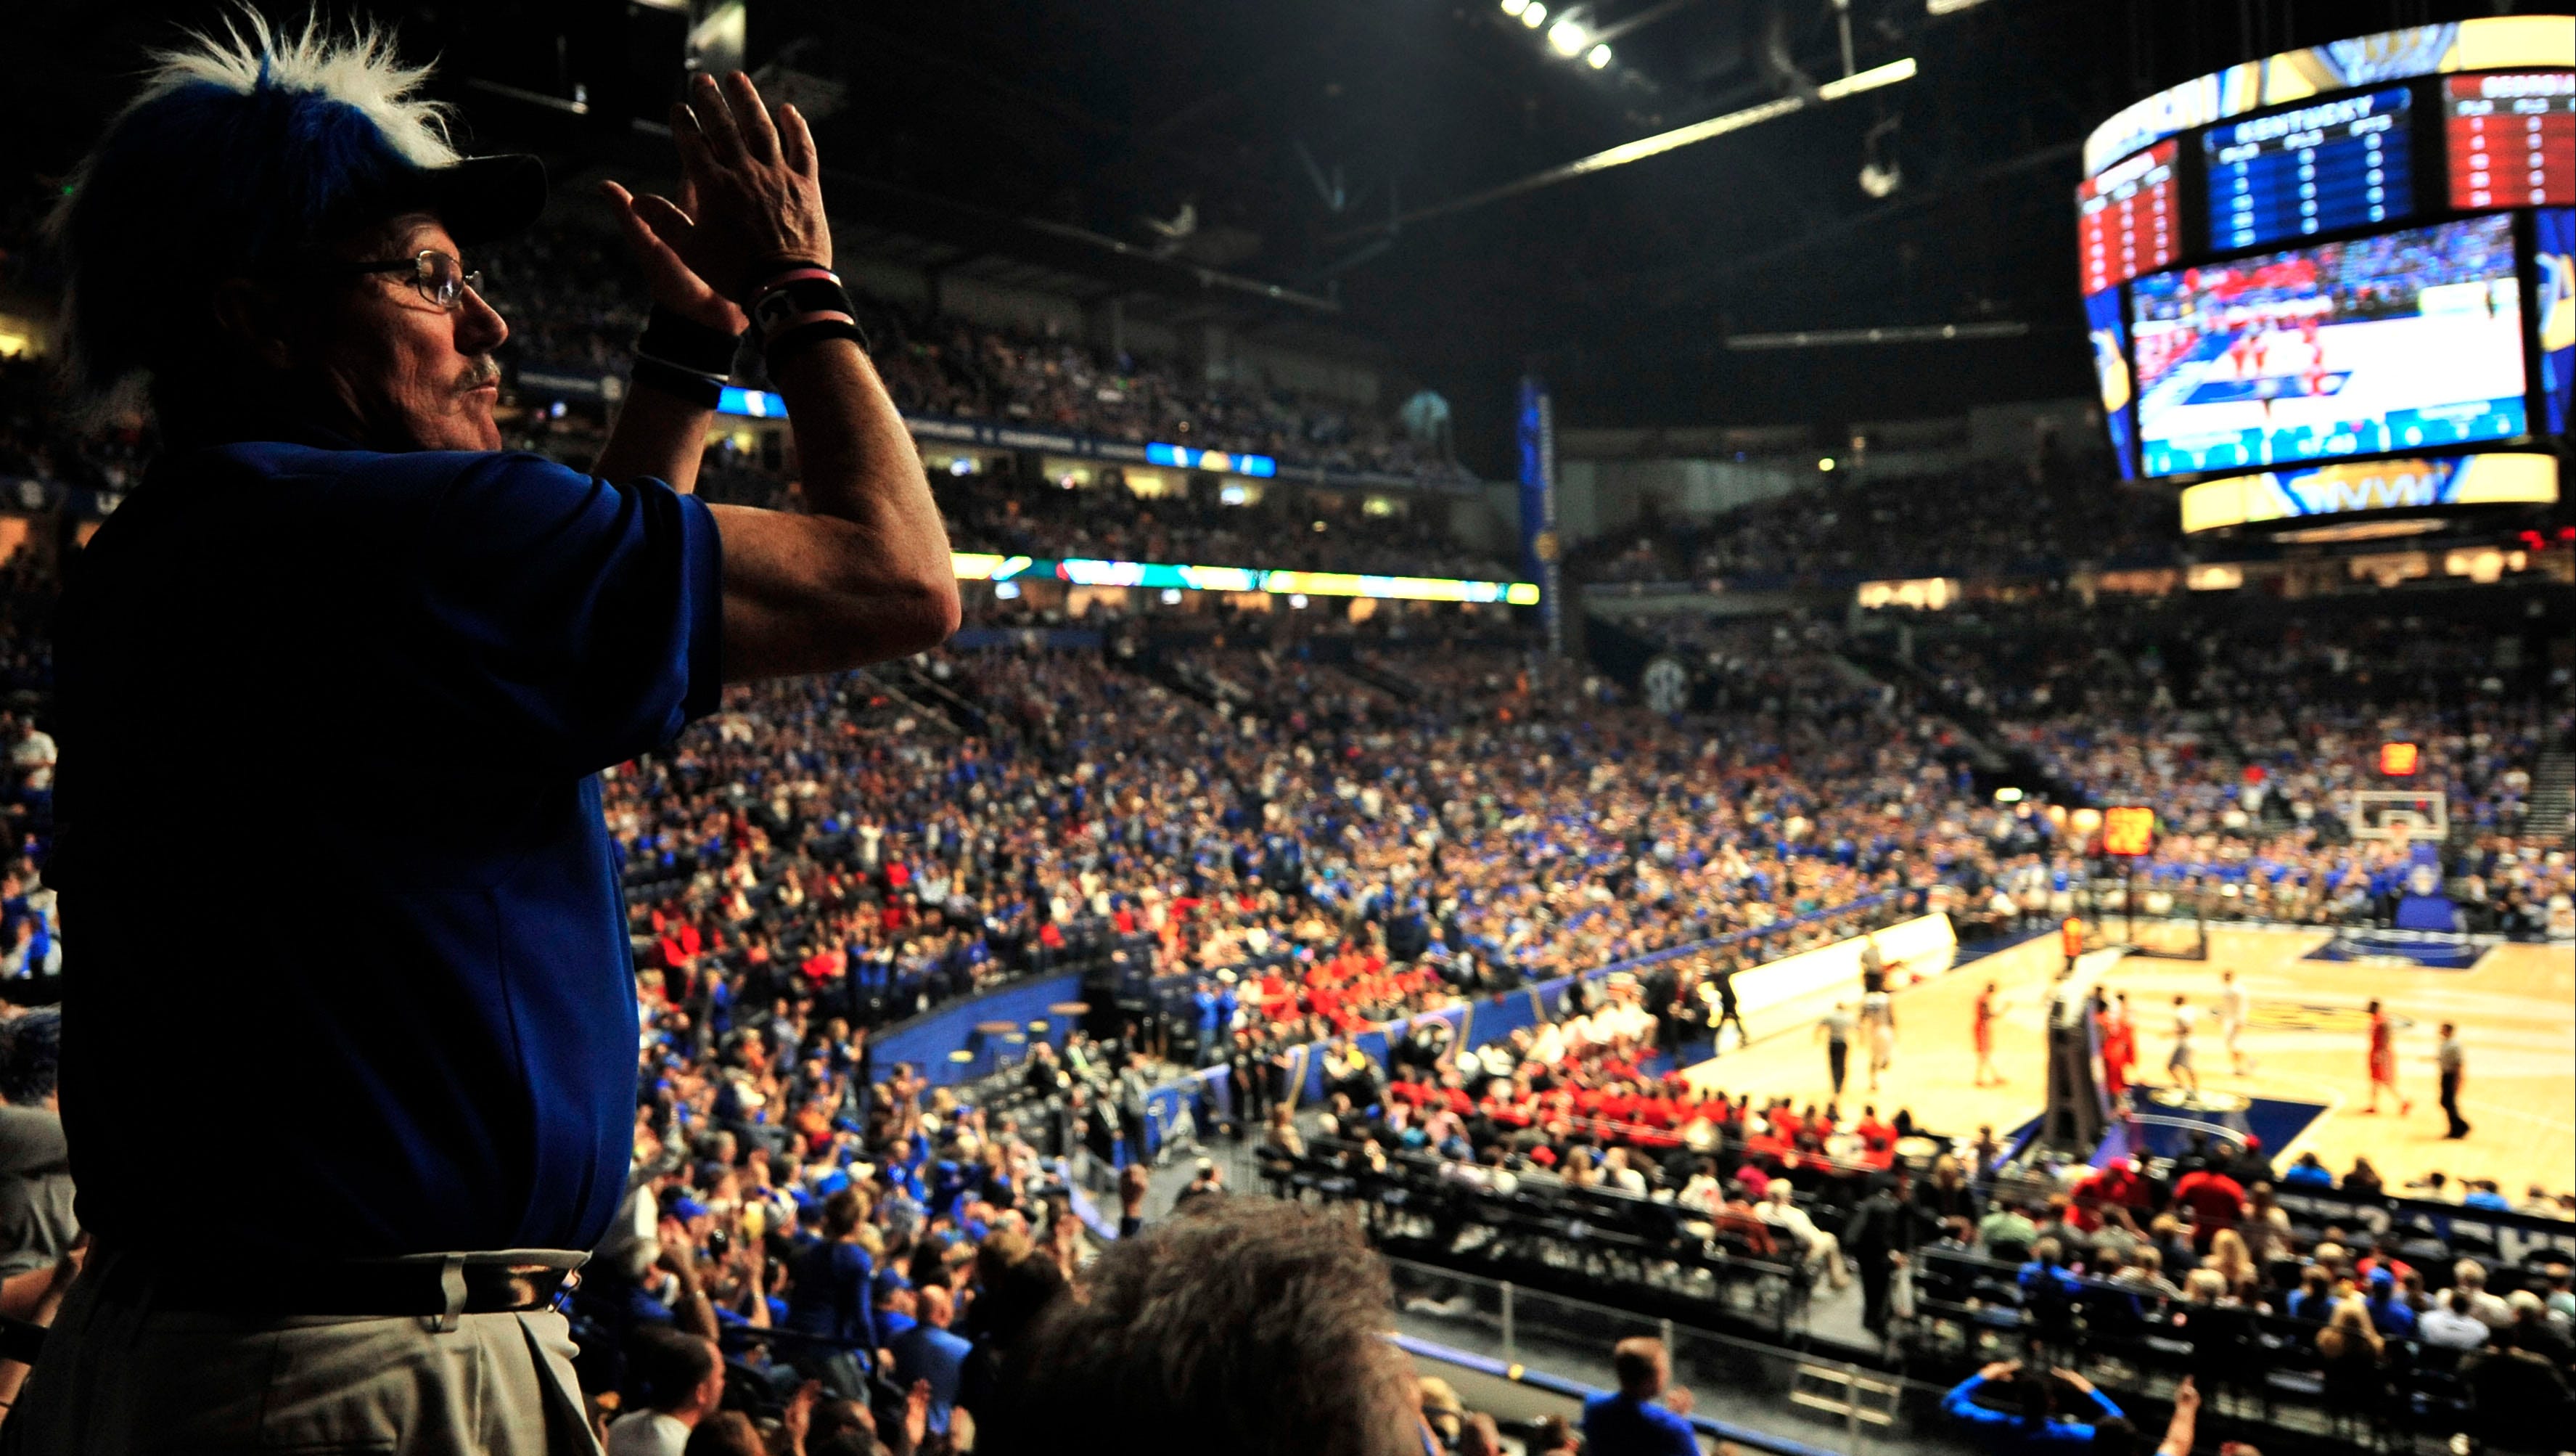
679,383
687,343
788,342
786,306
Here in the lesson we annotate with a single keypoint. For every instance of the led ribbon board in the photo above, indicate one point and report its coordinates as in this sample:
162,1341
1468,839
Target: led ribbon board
2487,43
2377,485
1083,571
1184,457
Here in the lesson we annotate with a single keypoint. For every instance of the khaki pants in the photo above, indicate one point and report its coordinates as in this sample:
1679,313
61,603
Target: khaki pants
1826,1252
120,1376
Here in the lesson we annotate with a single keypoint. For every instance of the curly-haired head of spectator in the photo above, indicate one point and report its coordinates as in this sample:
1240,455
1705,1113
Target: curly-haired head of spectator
31,1053
1245,1326
728,1433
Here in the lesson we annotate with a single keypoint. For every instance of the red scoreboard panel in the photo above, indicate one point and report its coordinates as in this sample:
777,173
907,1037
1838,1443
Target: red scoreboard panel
2512,138
2127,218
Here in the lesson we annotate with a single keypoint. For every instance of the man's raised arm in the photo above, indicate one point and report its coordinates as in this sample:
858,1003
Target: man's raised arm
867,575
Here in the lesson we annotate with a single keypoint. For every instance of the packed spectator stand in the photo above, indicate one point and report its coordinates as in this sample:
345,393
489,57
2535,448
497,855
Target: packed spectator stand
1311,837
2309,1311
1988,519
563,289
2251,735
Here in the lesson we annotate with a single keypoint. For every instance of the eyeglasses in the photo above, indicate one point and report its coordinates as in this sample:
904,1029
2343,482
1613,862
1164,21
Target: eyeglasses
440,277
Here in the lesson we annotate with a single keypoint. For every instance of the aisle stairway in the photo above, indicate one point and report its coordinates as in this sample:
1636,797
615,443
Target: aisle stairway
2553,796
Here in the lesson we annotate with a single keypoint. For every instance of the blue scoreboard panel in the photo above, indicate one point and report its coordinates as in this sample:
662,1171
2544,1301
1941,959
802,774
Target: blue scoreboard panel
2334,165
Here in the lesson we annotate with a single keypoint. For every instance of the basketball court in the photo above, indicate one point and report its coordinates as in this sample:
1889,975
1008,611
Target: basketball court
2307,1041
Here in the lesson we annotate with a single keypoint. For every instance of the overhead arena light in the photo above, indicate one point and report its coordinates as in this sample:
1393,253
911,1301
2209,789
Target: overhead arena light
1598,58
1534,15
1644,147
1567,38
1515,7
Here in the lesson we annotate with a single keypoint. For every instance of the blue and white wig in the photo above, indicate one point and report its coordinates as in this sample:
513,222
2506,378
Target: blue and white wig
242,153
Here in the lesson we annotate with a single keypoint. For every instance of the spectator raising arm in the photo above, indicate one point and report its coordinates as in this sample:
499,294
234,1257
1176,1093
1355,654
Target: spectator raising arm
658,432
866,576
2186,1420
2034,1418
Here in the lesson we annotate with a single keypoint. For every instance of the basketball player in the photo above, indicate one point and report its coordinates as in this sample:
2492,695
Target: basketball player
2233,1008
2106,1042
1988,1008
2383,1062
2179,1063
2119,1047
1878,1014
2070,939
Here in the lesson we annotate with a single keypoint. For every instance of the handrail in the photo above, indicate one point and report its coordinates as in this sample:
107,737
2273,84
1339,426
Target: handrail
1577,1390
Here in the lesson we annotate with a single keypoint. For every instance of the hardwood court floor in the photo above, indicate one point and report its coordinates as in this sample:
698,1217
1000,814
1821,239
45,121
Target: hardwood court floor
2307,1042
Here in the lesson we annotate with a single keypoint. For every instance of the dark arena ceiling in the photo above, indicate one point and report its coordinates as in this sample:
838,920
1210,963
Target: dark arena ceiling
1019,138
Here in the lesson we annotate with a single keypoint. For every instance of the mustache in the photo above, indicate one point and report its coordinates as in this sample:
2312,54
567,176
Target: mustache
485,370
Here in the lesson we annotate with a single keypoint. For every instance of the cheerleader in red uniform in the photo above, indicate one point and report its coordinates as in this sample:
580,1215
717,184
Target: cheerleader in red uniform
1988,1008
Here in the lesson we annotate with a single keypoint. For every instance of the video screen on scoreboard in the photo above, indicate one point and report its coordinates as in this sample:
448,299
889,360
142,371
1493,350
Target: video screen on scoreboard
2511,138
2126,218
2409,339
2333,165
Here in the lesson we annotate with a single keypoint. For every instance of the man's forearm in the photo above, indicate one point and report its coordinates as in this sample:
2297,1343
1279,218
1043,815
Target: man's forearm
857,460
657,435
866,574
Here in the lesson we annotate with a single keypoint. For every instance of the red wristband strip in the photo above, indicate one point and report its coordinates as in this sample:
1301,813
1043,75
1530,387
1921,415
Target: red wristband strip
795,275
761,274
823,315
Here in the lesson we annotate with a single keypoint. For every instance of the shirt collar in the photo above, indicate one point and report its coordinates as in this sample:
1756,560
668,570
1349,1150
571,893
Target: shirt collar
269,426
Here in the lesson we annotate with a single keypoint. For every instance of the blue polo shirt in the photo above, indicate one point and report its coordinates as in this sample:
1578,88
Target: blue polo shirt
927,1352
1615,1424
359,701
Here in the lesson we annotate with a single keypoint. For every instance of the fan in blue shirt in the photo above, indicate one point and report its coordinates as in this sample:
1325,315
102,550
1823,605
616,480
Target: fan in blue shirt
2027,1417
927,1351
1634,1421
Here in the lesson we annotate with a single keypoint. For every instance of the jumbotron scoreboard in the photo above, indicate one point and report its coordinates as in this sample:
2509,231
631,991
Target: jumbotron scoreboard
2338,281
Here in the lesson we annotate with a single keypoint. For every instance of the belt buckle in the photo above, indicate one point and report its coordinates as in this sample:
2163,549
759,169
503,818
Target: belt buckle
524,1286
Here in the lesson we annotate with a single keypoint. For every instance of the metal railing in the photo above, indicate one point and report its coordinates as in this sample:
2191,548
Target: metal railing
1769,1397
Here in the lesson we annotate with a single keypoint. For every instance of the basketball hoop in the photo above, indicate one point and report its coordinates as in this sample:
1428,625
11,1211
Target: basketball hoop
2399,816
